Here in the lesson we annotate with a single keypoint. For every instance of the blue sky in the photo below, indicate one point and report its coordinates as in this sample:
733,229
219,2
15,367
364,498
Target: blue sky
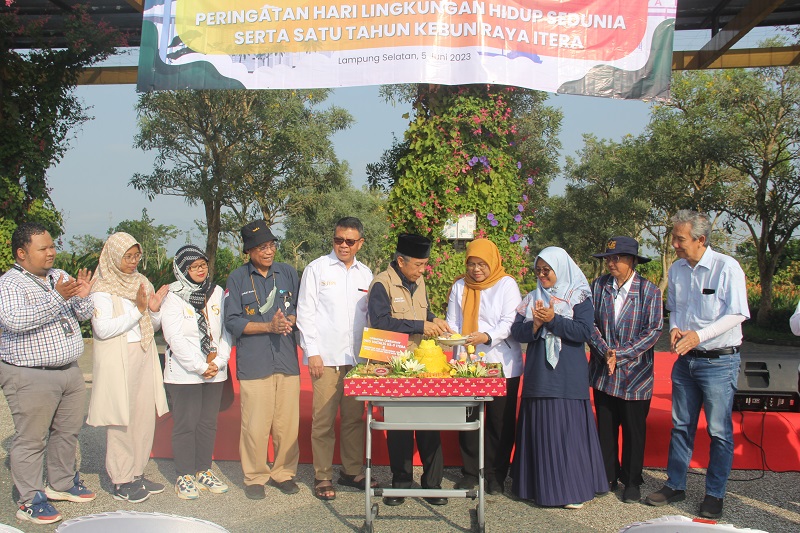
90,185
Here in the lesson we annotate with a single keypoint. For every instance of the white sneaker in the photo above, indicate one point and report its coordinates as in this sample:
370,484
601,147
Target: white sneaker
208,481
186,489
573,506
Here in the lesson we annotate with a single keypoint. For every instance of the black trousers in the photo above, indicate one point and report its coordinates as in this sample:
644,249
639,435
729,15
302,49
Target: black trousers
498,437
631,415
195,407
401,458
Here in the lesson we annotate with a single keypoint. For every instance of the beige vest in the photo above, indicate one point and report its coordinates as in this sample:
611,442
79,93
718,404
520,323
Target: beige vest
108,404
404,305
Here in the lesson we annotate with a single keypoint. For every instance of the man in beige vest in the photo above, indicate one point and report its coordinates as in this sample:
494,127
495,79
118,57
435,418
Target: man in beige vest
398,301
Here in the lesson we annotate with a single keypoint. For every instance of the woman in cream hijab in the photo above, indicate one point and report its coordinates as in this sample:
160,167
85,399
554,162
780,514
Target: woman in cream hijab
482,306
127,389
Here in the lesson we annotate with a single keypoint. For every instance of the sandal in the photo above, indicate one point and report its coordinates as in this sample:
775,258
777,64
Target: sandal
323,489
361,484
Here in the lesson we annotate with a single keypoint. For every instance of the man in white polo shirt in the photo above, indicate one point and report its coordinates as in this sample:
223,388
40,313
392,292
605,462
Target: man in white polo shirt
331,316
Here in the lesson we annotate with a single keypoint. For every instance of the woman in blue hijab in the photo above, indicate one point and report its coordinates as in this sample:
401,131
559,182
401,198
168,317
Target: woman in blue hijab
557,462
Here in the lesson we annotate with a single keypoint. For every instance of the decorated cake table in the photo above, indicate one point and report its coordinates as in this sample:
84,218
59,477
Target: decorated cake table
423,391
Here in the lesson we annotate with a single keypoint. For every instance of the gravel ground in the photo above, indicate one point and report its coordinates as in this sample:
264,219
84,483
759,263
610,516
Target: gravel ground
760,500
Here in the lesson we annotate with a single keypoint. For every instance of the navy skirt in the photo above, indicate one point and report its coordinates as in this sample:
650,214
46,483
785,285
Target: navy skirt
557,459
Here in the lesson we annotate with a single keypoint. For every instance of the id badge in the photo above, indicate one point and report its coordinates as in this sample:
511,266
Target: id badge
67,327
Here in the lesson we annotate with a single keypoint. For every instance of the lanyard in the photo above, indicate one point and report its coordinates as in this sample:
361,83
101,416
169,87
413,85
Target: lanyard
38,281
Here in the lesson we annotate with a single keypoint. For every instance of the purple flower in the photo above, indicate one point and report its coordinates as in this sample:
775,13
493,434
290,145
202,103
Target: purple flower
524,197
490,216
494,222
517,218
530,181
514,238
520,208
519,164
473,161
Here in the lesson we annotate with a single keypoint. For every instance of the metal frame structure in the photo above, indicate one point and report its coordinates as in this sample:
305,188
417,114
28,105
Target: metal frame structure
441,413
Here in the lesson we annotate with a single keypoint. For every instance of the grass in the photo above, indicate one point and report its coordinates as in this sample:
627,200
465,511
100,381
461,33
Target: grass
754,333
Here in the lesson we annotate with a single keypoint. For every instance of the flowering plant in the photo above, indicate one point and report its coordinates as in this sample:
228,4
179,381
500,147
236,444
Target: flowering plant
406,364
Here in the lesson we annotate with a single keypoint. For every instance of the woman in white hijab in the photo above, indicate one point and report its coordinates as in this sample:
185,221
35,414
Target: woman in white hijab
557,462
127,388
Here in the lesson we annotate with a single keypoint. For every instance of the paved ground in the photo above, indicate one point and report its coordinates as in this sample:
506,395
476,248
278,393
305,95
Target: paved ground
760,500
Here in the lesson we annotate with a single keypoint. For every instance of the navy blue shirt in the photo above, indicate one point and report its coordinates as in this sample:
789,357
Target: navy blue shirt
570,378
262,354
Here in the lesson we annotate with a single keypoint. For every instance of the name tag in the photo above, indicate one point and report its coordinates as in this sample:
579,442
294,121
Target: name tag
67,327
327,283
399,299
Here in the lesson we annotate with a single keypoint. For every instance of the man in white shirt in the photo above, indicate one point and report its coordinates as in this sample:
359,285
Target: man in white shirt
331,316
707,300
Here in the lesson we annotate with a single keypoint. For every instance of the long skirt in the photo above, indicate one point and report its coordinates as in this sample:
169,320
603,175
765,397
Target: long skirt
557,459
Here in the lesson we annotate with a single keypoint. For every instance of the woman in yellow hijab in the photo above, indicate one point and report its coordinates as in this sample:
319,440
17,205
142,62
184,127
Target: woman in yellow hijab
482,307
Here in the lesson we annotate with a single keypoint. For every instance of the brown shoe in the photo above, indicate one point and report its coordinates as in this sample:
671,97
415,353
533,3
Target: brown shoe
664,496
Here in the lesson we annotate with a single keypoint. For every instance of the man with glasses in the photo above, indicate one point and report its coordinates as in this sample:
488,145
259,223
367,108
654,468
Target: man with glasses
331,316
707,301
260,303
40,344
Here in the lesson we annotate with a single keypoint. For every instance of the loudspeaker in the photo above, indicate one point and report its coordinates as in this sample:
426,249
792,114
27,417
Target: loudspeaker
768,382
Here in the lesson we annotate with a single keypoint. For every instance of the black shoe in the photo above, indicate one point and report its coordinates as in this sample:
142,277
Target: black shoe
631,494
133,492
393,501
711,507
493,486
466,483
150,486
286,487
612,485
254,492
436,501
664,496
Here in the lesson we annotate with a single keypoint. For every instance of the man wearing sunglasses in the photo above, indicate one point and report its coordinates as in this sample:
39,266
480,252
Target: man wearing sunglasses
331,316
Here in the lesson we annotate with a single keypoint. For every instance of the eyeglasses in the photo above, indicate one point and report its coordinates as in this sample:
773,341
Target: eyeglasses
613,258
542,271
198,268
350,242
271,245
474,266
132,258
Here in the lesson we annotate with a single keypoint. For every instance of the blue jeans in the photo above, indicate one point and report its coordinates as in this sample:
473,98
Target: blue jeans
708,383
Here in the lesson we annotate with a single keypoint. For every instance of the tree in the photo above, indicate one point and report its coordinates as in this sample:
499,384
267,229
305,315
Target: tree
239,149
86,244
39,111
153,238
463,158
309,233
595,206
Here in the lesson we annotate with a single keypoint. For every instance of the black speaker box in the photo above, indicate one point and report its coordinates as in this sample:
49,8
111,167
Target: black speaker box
768,383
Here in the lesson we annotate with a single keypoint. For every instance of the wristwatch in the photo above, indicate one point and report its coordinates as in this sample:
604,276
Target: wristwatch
488,342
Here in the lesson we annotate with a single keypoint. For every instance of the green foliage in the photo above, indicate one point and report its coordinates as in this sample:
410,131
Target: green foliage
464,157
309,233
263,154
226,263
39,112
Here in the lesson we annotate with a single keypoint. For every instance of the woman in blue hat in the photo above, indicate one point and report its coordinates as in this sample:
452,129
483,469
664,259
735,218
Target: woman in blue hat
628,317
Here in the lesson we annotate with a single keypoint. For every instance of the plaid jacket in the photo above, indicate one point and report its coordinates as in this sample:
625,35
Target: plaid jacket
633,337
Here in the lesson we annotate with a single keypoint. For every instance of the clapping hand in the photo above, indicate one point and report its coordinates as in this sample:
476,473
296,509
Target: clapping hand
85,282
157,298
280,324
67,288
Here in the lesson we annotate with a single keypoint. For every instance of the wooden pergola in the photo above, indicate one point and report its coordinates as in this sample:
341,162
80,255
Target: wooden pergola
728,20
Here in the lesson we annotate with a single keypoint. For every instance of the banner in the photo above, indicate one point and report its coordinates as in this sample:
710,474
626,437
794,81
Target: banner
613,48
380,345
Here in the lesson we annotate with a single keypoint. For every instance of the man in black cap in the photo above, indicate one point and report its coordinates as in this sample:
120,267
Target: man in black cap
260,303
628,315
398,301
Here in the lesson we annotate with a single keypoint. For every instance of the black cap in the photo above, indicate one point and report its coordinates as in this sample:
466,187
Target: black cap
412,245
623,246
255,233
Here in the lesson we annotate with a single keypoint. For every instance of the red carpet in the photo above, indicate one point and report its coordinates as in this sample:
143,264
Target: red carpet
780,439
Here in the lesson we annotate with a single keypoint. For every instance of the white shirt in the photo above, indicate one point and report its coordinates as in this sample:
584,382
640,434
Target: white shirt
496,315
794,321
699,297
332,309
106,326
622,295
185,362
